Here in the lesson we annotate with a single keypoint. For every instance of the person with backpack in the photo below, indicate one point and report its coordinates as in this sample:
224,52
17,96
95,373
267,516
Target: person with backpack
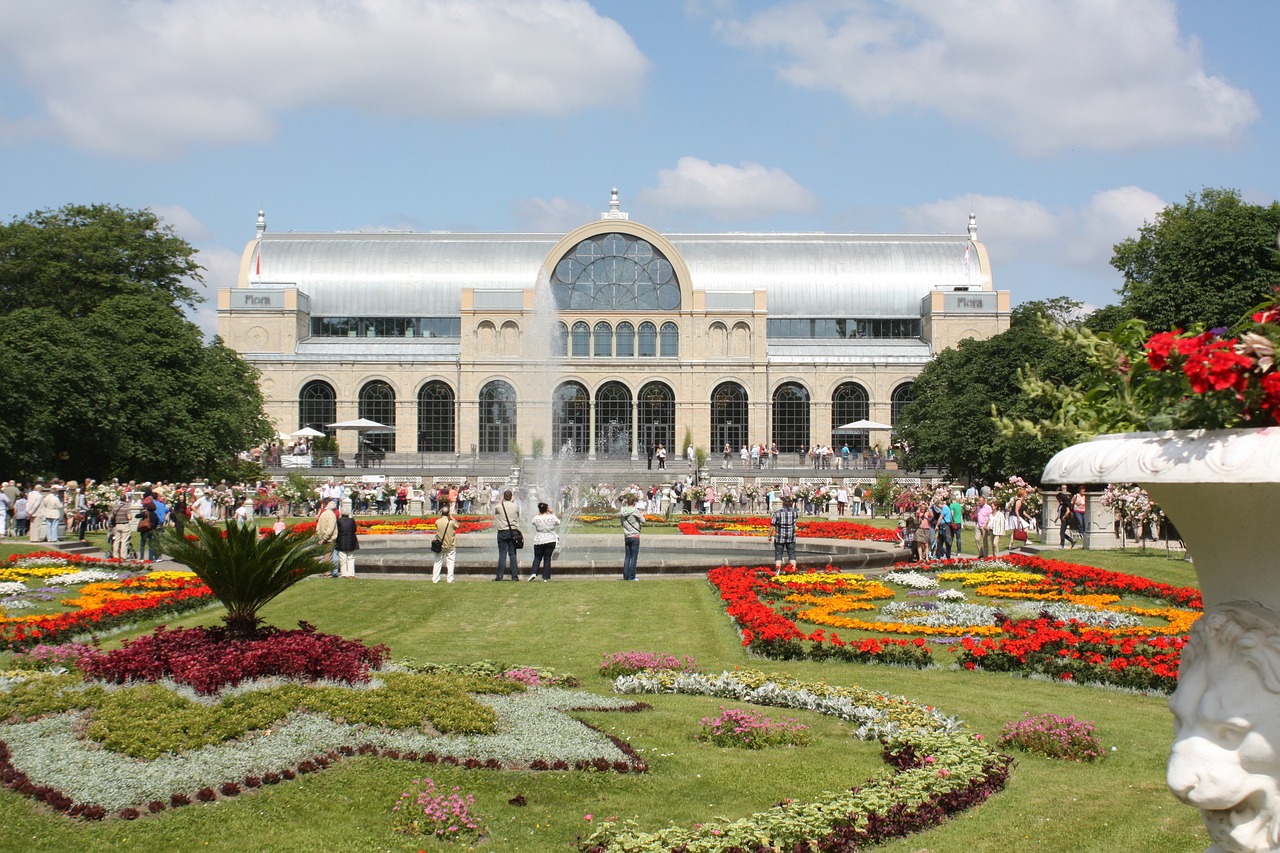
148,529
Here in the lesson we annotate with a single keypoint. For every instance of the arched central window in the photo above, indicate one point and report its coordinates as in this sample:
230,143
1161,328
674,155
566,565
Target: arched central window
656,415
378,403
791,417
497,417
615,272
613,420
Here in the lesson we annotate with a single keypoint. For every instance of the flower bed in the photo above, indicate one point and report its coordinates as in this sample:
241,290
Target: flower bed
940,769
1043,616
385,526
102,605
759,526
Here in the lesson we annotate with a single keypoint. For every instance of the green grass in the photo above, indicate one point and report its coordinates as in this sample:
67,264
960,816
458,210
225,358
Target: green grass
1119,803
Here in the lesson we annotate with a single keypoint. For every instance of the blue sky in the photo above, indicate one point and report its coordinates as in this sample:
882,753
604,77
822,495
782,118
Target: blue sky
1063,124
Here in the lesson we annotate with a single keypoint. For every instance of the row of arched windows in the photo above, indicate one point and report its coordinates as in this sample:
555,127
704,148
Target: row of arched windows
625,341
620,423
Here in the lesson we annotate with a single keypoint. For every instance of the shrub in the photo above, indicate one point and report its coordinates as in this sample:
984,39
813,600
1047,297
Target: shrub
1053,736
735,727
631,662
424,810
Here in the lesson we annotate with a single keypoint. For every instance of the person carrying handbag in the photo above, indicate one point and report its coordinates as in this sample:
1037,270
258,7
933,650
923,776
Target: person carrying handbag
445,545
506,519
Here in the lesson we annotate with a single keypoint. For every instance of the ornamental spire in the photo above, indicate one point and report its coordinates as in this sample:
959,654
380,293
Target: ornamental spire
614,211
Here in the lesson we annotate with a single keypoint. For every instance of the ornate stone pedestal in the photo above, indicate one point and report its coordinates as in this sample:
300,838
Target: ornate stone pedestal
1222,490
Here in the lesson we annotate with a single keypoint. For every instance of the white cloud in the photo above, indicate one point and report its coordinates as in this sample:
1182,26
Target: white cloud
727,192
554,215
222,269
1019,230
150,77
1047,75
183,221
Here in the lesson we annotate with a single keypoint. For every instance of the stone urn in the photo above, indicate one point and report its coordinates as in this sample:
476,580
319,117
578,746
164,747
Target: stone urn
1221,488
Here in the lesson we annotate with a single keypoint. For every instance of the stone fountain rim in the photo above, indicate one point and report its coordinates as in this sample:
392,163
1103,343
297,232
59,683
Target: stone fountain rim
1173,456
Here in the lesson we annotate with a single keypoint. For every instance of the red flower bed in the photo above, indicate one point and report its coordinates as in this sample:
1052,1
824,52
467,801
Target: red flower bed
1077,579
768,633
759,526
184,594
206,660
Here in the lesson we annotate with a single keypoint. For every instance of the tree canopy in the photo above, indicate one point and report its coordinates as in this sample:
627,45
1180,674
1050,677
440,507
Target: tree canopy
949,424
103,375
1209,260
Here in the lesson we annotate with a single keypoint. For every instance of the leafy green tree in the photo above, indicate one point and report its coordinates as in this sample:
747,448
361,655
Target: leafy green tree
1207,261
950,422
243,569
71,259
103,375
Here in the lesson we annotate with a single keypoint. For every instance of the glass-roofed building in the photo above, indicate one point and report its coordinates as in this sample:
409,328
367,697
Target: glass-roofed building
607,339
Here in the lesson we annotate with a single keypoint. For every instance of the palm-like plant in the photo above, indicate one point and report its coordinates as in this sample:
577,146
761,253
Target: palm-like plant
243,569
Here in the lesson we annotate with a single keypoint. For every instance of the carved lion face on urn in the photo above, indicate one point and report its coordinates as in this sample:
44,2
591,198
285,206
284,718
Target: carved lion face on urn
1225,759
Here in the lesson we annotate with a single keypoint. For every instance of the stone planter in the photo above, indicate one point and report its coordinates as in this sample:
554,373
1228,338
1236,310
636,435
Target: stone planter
1221,489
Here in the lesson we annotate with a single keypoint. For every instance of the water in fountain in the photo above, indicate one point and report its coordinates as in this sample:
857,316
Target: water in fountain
555,475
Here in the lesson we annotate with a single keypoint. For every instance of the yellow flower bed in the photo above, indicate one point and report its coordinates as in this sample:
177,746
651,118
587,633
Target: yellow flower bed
831,578
981,578
14,574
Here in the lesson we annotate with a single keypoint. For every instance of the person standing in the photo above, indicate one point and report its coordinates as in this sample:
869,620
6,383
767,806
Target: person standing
51,512
1063,515
728,457
327,530
661,453
35,518
648,456
782,533
148,529
346,543
986,538
447,536
957,522
507,520
545,540
632,520
842,499
1077,513
121,528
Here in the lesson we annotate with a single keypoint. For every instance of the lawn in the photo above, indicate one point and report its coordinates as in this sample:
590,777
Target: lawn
1118,803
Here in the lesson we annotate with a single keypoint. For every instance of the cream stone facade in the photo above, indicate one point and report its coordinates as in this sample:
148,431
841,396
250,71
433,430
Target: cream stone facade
608,340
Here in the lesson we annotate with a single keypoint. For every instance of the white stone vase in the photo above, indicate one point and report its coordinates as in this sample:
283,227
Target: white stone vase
1221,488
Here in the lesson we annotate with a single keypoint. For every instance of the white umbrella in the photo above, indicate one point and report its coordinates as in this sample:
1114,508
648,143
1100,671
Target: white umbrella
362,425
863,424
308,432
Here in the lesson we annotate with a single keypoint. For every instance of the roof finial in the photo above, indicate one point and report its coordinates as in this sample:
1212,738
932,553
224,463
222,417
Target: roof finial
614,211
262,222
973,226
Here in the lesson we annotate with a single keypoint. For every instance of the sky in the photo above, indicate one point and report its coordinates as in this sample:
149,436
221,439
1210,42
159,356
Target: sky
1063,125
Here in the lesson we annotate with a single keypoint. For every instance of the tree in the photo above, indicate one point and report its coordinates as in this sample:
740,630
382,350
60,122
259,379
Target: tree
950,423
1207,261
71,259
244,569
103,375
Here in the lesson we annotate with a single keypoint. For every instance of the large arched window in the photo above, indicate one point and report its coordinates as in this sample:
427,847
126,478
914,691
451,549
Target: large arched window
602,340
317,406
626,340
378,403
580,340
656,415
791,417
435,418
901,397
648,340
562,340
849,403
497,417
669,341
615,272
613,420
570,417
729,417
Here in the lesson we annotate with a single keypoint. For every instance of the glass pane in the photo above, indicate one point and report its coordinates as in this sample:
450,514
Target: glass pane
626,340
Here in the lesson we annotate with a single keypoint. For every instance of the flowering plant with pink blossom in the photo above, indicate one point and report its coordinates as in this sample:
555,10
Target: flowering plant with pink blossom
736,727
631,662
1053,736
425,810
